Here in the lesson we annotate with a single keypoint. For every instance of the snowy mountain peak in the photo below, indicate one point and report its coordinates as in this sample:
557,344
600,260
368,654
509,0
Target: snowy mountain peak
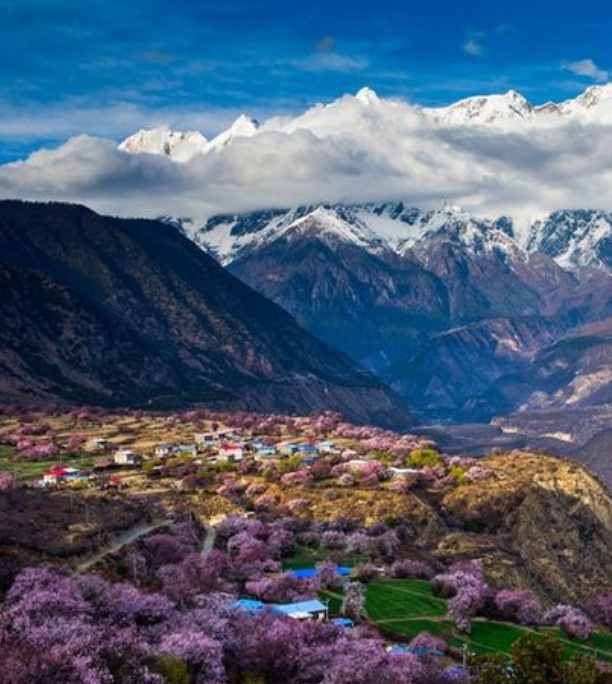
488,109
377,228
367,96
574,238
177,145
595,95
243,127
454,226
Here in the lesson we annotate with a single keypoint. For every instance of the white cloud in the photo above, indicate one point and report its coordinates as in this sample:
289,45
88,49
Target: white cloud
331,61
352,150
473,47
588,68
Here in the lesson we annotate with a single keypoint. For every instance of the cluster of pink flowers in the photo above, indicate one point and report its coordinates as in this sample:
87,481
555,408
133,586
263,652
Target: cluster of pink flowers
467,589
521,606
36,450
572,621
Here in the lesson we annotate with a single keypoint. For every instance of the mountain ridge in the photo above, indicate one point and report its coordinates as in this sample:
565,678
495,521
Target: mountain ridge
165,322
441,304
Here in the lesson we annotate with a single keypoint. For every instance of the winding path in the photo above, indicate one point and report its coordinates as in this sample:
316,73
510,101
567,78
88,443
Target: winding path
124,539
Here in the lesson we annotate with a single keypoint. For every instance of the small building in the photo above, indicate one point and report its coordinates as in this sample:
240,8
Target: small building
163,450
302,610
210,438
54,476
97,444
345,622
60,474
231,452
125,457
266,453
186,449
251,605
403,472
311,573
326,447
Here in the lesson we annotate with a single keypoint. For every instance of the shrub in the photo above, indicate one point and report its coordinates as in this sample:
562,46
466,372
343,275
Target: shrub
420,458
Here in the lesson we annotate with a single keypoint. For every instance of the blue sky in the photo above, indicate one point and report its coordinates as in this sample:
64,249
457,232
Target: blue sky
107,68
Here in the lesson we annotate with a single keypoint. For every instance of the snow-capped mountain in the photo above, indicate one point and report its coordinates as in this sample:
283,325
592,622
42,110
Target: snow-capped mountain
491,109
182,146
453,225
366,111
392,227
243,127
177,145
440,303
574,239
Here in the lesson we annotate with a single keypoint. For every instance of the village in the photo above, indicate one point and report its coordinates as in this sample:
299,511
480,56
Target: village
310,521
116,466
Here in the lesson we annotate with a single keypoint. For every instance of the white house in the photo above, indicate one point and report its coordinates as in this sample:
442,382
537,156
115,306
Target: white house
400,472
96,444
209,438
231,452
125,457
326,447
302,610
163,450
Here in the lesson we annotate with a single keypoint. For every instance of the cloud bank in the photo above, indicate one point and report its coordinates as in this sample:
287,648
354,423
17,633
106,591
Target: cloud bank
355,149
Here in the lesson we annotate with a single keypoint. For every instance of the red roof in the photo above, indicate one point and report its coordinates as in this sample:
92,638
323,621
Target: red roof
56,472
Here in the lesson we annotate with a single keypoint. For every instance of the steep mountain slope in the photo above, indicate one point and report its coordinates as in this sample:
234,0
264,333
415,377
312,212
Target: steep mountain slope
375,307
130,312
574,371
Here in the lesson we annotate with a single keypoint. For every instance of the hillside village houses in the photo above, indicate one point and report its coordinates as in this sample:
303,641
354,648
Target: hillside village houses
219,446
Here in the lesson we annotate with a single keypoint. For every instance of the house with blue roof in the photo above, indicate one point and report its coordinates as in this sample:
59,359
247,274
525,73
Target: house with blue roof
326,447
251,605
266,452
345,622
302,610
311,573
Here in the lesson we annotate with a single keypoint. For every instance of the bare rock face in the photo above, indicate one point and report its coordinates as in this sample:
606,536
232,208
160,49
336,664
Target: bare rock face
129,312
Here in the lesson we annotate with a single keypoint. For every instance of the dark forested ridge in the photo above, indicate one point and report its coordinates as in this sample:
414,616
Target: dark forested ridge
129,312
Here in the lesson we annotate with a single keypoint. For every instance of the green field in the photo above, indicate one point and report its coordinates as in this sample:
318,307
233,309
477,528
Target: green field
408,607
32,470
307,557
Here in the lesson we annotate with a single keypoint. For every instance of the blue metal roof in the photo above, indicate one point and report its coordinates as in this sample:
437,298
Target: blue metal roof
249,604
310,573
342,622
313,606
398,648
